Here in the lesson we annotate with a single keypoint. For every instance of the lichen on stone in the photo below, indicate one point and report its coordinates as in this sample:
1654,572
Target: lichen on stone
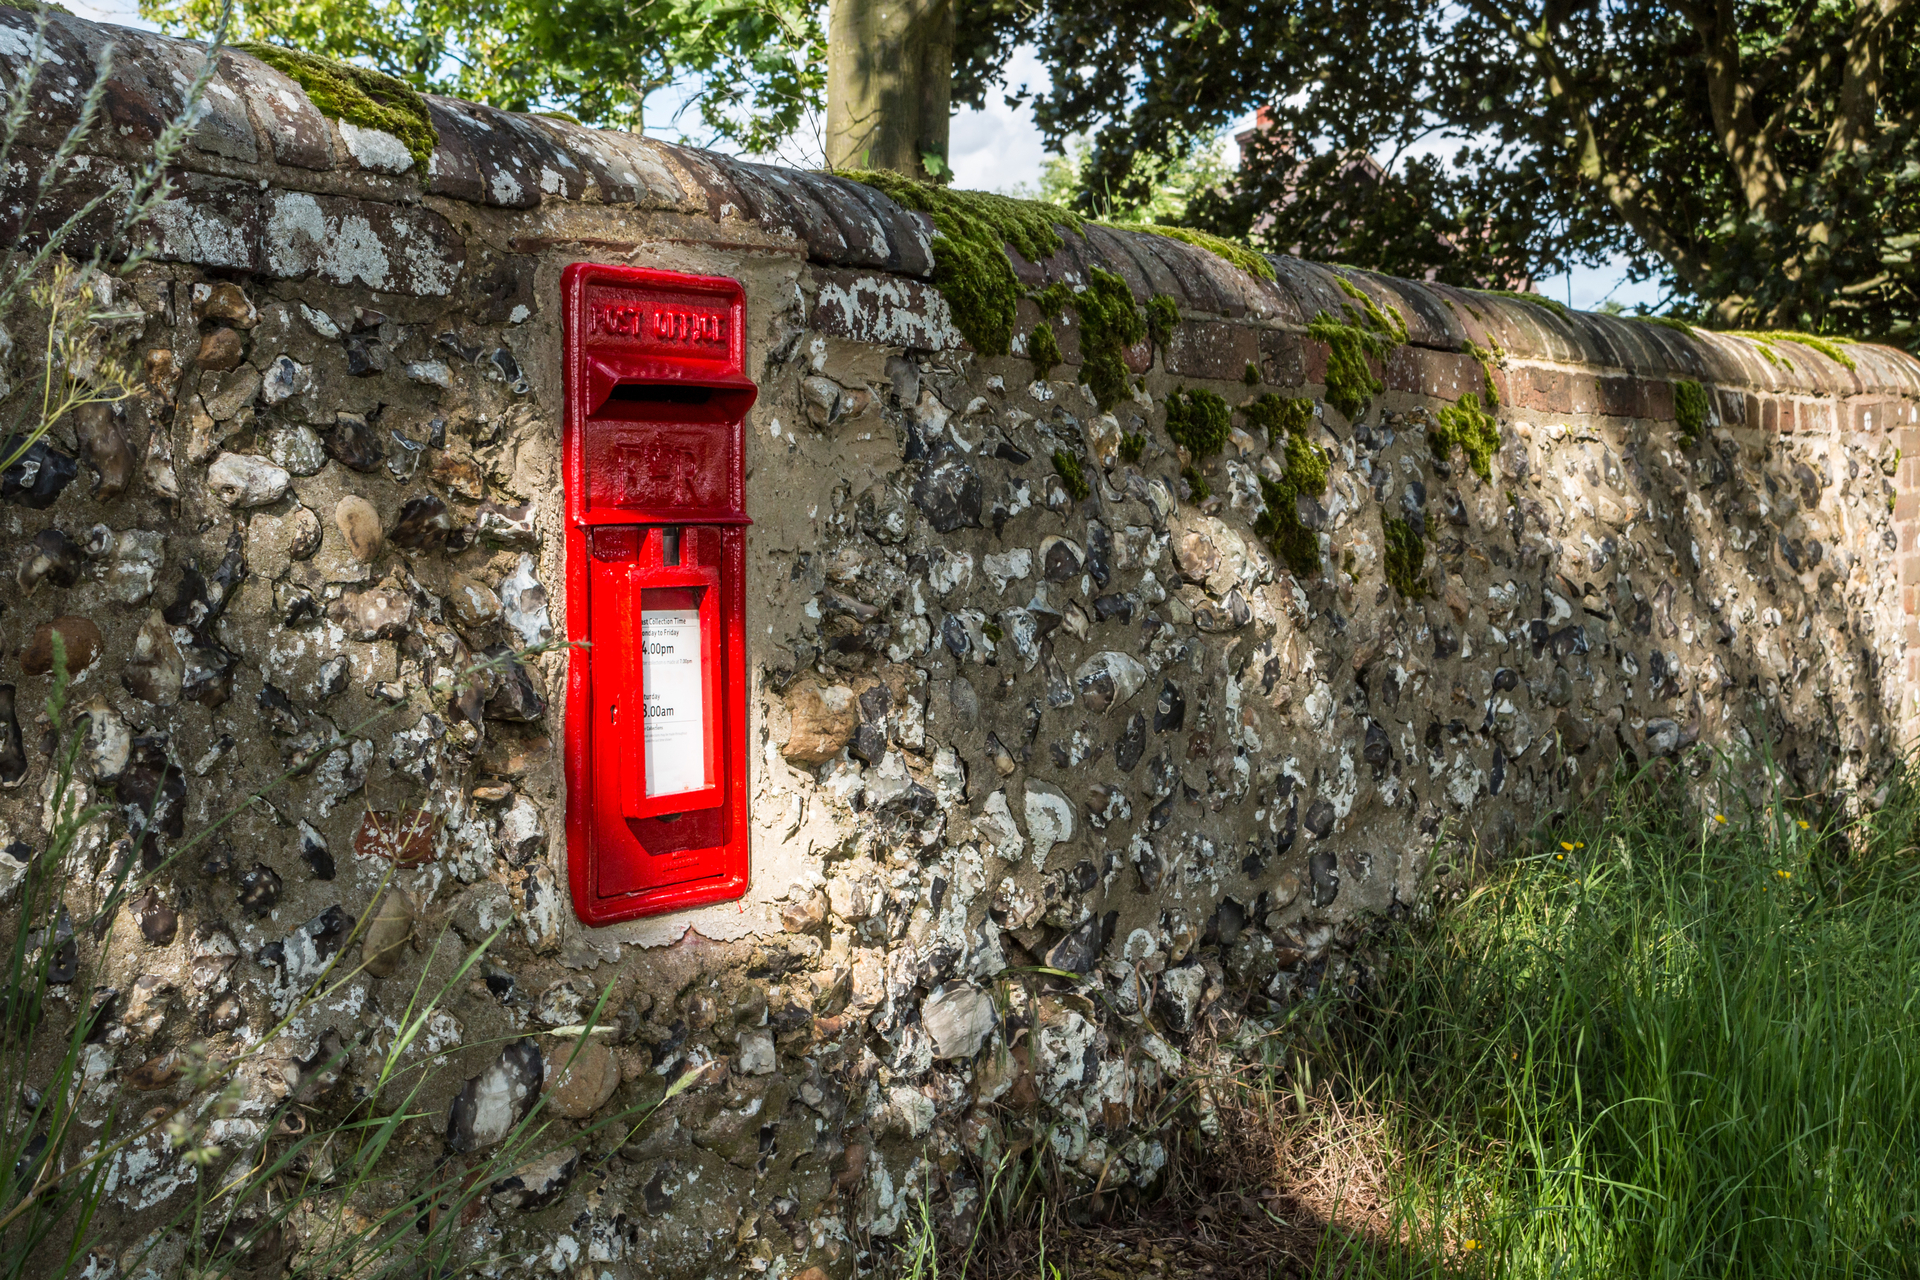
1474,430
1067,467
1043,349
1305,473
1689,409
1198,421
1362,331
1236,255
1406,557
360,96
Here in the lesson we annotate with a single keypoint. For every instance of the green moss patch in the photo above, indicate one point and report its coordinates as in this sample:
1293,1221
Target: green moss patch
1474,430
1765,340
1488,360
1228,251
970,264
363,98
1109,323
1305,473
1067,467
1406,557
1163,316
1361,332
1196,483
1689,409
1666,322
1043,349
1131,446
1198,421
1537,299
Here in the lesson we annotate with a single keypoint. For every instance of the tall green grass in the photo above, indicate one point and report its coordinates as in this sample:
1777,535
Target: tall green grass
1668,1043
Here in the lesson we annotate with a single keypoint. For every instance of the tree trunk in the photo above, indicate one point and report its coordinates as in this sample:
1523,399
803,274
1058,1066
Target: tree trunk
889,85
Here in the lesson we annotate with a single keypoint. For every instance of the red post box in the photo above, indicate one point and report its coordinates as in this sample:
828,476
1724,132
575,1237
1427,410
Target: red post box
656,740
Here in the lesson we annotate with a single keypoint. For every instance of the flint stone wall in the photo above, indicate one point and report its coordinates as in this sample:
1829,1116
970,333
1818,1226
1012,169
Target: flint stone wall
992,726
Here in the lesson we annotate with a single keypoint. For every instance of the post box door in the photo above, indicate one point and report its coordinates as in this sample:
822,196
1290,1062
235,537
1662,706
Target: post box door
656,714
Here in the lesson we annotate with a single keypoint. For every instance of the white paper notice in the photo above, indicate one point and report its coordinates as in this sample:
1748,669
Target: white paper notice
675,701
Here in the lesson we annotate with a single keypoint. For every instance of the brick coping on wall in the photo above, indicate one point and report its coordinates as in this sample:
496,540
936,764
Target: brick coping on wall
260,137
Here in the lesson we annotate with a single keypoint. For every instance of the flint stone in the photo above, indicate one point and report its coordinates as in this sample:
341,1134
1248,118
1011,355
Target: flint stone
1049,817
757,1056
82,640
822,721
388,934
244,480
359,524
1079,951
221,350
1108,679
522,835
156,670
472,602
508,526
224,301
523,604
284,380
537,1183
949,494
298,449
581,1080
959,1018
493,1102
310,947
379,614
40,475
53,558
138,556
237,390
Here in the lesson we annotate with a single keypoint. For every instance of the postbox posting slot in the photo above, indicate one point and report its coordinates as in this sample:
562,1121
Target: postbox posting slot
670,735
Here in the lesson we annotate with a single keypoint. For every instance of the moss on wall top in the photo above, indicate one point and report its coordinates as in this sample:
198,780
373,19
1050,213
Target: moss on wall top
1361,332
1238,255
361,97
970,265
1765,340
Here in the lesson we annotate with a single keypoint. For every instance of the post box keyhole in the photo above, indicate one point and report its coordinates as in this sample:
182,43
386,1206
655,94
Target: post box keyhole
670,545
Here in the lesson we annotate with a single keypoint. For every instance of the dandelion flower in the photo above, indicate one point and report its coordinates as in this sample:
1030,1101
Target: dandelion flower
1720,818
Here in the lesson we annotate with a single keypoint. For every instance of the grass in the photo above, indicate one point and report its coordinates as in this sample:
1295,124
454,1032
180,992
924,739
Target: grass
1659,1041
1664,1043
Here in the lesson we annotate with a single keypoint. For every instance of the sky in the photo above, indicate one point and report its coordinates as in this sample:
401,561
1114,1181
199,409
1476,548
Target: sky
999,148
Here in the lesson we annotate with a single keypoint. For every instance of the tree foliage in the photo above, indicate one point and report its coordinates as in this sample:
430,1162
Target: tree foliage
1756,156
758,66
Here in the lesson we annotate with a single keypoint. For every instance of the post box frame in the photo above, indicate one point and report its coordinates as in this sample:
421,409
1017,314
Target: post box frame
669,347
